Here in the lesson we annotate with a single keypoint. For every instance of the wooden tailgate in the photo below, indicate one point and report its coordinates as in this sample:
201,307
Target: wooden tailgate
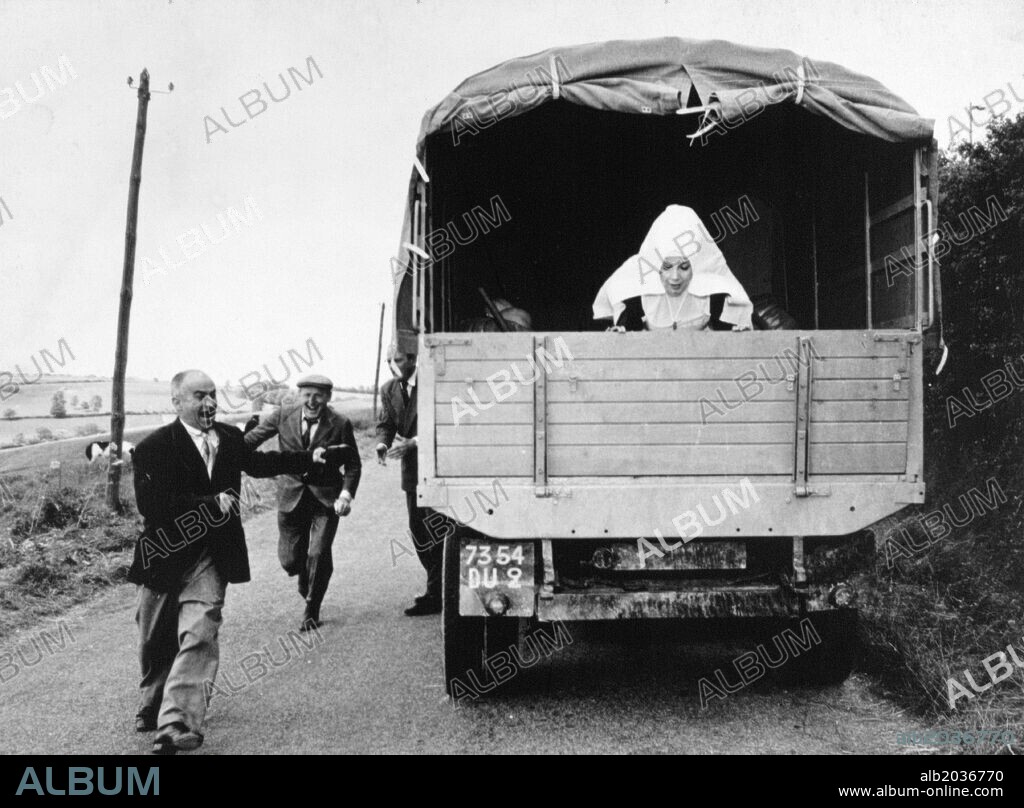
679,404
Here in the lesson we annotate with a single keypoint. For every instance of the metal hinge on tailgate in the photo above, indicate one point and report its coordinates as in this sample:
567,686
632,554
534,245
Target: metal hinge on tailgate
436,346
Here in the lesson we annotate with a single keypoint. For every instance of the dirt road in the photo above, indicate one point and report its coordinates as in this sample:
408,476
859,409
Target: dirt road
372,682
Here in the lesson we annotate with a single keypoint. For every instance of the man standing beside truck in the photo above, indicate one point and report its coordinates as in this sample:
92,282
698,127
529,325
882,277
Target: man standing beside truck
396,438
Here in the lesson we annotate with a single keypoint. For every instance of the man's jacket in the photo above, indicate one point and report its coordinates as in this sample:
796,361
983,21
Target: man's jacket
398,417
178,501
324,481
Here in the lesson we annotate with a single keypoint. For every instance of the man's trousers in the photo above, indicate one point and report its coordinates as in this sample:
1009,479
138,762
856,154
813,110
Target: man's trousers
304,545
429,543
178,649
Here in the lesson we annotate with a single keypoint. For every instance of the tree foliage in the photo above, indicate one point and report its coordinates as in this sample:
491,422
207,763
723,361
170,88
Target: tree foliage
58,409
983,285
983,314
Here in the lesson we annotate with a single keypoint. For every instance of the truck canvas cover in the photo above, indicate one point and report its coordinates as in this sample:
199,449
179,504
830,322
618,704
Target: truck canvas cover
661,77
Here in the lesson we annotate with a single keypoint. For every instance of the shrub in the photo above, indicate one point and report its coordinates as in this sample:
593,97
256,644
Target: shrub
97,403
9,413
44,433
57,406
53,511
74,399
86,429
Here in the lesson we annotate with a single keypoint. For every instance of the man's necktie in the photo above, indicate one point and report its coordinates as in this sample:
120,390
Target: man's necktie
405,392
207,452
307,429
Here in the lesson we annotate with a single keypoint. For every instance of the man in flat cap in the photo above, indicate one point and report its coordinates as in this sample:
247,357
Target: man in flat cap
309,505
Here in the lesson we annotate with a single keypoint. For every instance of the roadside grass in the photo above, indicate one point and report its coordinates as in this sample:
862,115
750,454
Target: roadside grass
959,599
59,545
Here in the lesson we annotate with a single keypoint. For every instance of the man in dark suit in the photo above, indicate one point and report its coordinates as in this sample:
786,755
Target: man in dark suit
308,506
396,438
187,484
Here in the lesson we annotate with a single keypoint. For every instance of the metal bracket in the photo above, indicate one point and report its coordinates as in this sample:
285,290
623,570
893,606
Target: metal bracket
437,353
803,417
790,382
540,423
910,338
573,381
813,490
547,560
896,378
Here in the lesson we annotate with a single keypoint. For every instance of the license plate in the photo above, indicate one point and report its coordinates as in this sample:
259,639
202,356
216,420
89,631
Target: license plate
493,565
488,568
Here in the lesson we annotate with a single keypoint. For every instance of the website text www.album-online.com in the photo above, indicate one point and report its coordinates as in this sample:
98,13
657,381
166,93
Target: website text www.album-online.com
952,783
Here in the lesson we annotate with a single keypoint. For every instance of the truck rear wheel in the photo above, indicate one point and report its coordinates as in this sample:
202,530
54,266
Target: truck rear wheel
463,636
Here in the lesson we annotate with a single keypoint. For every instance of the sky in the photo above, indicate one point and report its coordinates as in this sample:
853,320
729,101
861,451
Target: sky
317,182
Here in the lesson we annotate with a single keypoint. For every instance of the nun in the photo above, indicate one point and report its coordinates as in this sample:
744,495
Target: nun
678,281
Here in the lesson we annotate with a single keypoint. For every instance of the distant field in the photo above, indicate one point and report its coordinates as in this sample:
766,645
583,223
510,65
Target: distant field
33,400
148,403
27,426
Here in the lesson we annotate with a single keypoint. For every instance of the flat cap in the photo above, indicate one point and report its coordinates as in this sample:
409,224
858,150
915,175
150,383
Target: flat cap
315,380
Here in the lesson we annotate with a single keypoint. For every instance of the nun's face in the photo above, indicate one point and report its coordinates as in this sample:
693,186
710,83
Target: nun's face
676,273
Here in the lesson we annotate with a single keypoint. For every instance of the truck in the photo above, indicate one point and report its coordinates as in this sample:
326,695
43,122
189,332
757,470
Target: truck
585,474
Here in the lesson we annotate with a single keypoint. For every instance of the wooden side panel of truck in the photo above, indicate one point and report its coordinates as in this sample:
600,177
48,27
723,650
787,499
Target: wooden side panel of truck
603,435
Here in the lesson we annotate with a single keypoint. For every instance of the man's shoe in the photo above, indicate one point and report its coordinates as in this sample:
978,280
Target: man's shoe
145,721
423,607
176,738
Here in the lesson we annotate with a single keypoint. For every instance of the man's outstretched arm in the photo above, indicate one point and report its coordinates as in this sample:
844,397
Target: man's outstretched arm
353,463
264,430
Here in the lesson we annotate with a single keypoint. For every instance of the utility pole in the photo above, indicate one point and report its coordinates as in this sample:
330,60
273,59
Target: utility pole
376,375
124,312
